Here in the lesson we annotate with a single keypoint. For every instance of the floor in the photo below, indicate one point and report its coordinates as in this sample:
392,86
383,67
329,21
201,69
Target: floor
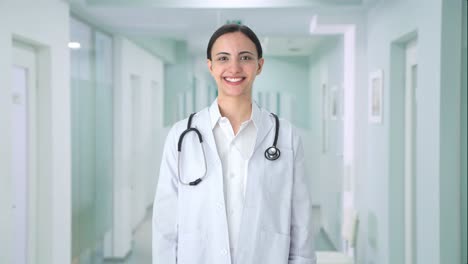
141,252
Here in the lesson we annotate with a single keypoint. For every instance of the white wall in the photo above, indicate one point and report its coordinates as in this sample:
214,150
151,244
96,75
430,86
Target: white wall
327,164
132,60
387,23
288,76
178,83
204,82
43,25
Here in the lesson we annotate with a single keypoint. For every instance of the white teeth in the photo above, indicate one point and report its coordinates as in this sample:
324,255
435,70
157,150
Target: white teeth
233,79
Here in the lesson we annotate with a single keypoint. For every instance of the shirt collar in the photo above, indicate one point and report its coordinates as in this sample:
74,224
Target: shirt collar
215,115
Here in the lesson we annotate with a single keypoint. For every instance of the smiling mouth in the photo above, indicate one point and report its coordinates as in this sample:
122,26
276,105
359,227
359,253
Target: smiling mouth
234,79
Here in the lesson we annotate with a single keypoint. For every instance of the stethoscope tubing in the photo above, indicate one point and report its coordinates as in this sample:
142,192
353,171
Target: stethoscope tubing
272,153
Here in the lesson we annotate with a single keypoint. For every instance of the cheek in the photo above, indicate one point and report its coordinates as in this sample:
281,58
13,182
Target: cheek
215,74
216,71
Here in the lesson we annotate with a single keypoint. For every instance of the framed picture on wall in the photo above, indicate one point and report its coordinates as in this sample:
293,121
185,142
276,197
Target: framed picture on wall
375,103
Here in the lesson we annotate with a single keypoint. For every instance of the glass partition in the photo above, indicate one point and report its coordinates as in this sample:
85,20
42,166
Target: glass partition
92,137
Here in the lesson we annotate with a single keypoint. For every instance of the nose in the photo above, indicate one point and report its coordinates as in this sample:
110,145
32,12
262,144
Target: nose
235,66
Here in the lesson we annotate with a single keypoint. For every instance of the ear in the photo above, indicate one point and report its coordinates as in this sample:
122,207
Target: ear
209,63
260,65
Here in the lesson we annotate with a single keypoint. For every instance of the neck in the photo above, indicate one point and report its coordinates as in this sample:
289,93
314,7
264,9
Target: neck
236,109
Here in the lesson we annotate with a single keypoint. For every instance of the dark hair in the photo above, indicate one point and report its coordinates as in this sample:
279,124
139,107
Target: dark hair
231,28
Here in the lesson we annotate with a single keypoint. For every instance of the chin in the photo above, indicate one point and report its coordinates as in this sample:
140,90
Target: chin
235,92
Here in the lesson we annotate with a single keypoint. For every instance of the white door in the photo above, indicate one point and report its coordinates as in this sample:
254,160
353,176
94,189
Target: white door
23,103
411,73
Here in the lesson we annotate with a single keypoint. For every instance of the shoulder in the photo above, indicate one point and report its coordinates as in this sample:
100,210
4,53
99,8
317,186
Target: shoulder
180,126
177,128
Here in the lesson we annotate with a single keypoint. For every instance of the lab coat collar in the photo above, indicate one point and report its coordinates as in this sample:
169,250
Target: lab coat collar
203,123
215,115
210,116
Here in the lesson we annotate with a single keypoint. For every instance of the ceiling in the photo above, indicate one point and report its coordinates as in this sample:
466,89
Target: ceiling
283,26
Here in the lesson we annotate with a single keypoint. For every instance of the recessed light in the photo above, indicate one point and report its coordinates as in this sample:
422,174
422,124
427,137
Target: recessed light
74,45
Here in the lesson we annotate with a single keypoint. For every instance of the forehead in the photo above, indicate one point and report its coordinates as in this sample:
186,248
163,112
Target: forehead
235,41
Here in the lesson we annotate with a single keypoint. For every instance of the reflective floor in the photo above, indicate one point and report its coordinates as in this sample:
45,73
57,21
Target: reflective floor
141,253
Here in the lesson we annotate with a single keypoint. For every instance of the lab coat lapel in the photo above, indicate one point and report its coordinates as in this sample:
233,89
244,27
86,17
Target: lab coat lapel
204,125
265,124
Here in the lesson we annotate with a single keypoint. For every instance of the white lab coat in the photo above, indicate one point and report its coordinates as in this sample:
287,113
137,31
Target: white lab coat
190,224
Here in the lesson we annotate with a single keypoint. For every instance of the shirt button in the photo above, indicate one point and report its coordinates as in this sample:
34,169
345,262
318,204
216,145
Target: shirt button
220,205
232,175
224,252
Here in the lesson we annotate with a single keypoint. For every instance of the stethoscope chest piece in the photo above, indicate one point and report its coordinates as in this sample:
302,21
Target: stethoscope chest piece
272,153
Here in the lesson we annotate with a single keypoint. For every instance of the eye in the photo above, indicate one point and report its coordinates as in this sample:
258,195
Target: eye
222,58
245,58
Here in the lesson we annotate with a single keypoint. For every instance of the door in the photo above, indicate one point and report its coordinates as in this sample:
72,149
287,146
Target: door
411,73
23,104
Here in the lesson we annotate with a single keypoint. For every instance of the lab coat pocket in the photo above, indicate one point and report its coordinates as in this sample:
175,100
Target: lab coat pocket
191,248
275,247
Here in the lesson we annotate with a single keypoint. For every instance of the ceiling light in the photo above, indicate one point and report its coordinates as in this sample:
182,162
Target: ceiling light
74,45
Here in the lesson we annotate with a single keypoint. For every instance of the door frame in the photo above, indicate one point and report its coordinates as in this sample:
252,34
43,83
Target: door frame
26,56
410,150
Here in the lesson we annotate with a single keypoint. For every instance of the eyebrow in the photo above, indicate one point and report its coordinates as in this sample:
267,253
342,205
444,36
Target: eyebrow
240,53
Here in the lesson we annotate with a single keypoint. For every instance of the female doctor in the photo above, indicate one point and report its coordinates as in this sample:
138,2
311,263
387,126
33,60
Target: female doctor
232,187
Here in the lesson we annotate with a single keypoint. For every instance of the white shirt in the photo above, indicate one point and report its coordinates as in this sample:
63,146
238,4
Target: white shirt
235,152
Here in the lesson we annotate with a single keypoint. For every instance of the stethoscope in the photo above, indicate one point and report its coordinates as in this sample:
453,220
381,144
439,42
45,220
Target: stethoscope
272,153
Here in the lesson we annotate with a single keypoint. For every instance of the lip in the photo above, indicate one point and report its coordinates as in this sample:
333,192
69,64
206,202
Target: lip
234,80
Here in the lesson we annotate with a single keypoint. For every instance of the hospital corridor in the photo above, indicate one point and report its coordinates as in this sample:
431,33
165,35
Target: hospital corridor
376,90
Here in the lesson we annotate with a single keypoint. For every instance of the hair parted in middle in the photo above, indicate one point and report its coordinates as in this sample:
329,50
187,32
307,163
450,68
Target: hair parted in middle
231,28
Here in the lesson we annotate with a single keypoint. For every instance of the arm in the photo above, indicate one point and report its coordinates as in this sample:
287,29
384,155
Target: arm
165,206
302,237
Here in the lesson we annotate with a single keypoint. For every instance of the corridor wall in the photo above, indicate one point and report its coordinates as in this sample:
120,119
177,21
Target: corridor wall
437,203
204,85
326,134
179,77
92,136
44,26
138,117
287,75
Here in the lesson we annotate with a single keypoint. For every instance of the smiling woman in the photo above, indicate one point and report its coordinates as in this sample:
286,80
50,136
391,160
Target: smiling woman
234,211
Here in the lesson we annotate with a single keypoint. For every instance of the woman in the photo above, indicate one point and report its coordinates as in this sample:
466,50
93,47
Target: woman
232,187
